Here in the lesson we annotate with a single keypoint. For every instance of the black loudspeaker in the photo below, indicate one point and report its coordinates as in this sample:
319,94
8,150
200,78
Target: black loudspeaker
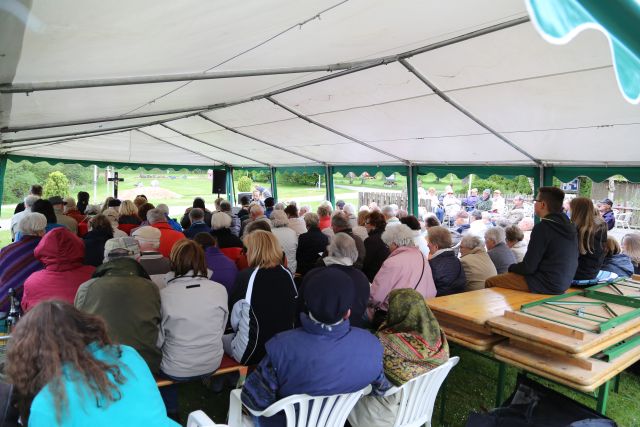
220,182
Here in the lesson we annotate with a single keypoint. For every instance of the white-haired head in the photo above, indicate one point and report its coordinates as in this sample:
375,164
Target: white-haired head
29,201
343,246
279,219
495,234
399,235
33,224
155,216
220,220
162,207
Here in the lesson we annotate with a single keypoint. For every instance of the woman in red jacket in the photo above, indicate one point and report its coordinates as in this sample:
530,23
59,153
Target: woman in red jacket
62,254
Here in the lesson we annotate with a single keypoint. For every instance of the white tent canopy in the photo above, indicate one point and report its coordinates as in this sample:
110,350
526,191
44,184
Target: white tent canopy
306,83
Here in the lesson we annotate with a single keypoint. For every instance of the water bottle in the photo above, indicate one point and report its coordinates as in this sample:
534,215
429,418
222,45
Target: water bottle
14,310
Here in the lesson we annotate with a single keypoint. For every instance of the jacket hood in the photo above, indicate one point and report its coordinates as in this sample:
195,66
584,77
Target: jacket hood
121,267
561,224
60,250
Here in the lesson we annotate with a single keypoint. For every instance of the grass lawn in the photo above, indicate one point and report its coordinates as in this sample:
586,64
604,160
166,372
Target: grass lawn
471,386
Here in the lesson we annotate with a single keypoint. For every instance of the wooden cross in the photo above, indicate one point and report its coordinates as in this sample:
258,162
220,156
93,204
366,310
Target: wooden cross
115,181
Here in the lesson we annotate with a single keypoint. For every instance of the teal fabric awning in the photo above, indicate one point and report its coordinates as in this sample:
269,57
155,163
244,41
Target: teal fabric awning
559,21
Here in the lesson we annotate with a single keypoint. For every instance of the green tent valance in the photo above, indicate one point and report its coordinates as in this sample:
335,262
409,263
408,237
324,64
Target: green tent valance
596,173
134,166
481,171
302,169
370,169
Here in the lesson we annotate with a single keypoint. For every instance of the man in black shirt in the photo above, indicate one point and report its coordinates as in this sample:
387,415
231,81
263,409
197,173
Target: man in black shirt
552,255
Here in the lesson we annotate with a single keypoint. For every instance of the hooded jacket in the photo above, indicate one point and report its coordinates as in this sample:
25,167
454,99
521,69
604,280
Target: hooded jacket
123,295
62,254
552,256
620,264
168,237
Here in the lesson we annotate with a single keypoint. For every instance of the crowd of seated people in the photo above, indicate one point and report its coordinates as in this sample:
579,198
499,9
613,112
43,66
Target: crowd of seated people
253,275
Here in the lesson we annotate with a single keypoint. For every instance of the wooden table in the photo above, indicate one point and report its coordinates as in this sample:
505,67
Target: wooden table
467,320
471,310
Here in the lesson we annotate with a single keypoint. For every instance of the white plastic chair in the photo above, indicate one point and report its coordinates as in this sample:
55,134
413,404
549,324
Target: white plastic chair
200,419
301,410
419,396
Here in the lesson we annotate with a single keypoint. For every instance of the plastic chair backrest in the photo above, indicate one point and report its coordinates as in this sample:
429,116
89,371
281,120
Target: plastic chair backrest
419,396
302,410
200,419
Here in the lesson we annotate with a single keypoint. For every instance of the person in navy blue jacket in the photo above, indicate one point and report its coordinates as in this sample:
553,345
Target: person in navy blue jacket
344,359
604,206
198,225
448,273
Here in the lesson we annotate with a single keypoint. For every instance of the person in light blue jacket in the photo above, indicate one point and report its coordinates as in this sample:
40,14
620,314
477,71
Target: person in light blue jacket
66,372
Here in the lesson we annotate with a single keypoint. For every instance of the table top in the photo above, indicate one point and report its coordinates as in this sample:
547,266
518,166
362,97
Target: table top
476,307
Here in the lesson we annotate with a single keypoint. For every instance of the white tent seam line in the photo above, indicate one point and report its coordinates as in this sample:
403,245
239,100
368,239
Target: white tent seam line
462,110
337,132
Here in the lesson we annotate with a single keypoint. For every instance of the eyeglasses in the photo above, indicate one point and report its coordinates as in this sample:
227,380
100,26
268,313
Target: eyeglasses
537,200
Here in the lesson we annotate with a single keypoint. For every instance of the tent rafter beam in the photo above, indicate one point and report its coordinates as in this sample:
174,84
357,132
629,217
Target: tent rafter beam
199,110
211,145
354,65
334,131
262,141
466,112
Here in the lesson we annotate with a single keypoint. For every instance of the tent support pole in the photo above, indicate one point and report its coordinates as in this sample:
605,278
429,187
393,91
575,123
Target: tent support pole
274,184
3,169
330,191
412,187
327,128
229,184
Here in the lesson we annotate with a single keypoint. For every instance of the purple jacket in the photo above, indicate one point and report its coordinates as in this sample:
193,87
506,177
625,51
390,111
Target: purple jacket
224,270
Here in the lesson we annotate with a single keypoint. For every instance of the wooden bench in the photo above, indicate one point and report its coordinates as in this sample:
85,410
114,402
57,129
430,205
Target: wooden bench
227,366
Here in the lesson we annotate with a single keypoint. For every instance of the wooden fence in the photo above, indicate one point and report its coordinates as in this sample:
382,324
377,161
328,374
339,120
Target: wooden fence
401,199
626,198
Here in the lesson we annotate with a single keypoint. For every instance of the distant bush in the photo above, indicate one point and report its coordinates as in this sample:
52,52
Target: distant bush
245,184
308,179
57,184
519,185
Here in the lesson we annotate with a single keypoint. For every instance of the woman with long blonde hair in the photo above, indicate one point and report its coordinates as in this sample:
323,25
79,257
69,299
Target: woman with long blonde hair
264,301
592,238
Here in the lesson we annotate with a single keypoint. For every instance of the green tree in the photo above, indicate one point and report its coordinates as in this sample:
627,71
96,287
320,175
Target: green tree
245,184
57,184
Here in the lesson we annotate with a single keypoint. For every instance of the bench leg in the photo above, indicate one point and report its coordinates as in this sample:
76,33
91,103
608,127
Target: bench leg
616,383
603,397
502,370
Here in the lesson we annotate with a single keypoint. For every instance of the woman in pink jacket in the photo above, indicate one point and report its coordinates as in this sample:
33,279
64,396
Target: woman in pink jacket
406,267
62,254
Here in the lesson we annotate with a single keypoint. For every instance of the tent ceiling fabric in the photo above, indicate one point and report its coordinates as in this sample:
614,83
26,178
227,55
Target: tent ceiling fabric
559,104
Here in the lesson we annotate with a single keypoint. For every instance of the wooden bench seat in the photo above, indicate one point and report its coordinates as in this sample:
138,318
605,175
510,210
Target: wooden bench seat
227,365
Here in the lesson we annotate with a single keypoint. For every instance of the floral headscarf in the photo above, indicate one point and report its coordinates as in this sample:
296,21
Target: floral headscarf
411,336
